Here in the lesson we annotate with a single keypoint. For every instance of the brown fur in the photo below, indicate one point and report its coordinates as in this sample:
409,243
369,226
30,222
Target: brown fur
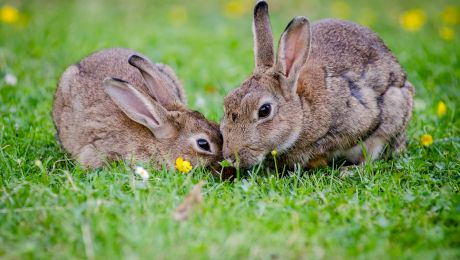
94,130
345,86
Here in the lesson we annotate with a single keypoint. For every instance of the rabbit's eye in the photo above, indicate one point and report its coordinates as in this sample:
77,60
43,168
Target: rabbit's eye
265,110
203,144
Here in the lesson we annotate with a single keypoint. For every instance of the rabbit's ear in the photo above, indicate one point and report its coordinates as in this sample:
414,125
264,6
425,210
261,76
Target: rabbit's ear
294,47
263,38
159,87
139,108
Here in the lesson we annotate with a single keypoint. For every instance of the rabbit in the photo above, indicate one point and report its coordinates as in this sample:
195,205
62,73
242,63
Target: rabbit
335,90
117,105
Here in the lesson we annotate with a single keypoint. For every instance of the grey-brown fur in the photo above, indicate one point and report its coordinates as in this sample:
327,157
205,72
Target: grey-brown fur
95,130
348,88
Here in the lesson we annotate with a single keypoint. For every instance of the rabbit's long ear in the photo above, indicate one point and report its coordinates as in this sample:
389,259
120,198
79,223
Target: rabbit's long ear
263,38
139,108
294,47
159,87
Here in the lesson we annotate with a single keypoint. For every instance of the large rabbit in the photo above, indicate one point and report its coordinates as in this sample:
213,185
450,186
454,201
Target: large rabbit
333,85
100,118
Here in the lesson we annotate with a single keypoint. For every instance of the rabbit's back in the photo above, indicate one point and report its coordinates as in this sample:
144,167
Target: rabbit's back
353,75
355,53
87,120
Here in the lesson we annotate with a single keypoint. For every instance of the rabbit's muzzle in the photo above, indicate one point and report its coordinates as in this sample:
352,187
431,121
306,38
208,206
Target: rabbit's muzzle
243,157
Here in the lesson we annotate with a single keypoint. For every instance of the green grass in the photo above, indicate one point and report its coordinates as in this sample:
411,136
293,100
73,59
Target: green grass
408,207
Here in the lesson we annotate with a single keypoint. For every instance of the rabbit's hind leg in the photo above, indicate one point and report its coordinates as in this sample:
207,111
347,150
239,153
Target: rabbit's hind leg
395,112
89,157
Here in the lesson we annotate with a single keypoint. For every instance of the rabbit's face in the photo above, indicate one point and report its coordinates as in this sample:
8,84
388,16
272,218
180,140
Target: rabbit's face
198,140
265,112
260,117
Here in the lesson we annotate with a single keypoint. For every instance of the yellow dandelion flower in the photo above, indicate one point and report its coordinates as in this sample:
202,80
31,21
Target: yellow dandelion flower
412,20
235,9
442,109
274,152
450,15
183,165
9,14
446,33
426,140
177,15
341,9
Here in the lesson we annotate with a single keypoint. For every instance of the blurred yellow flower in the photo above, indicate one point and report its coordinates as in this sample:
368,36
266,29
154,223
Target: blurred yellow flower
442,109
235,8
274,152
341,9
9,14
446,33
450,15
426,140
412,20
177,15
183,165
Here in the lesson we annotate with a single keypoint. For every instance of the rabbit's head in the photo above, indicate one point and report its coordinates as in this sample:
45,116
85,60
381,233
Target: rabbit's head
178,131
265,112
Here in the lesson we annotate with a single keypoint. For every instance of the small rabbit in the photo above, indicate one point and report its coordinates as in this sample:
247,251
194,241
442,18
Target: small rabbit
100,118
333,85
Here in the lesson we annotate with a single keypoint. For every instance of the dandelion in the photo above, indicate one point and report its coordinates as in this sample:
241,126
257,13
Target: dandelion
426,140
446,33
9,14
235,9
143,173
274,152
183,166
177,15
441,109
10,79
412,20
450,15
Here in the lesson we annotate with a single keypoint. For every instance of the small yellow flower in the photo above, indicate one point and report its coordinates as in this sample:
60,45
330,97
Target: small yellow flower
442,109
235,8
426,140
450,15
9,14
274,152
183,165
412,20
446,33
177,15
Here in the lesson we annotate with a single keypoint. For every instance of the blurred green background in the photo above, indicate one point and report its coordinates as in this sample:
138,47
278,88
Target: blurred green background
408,207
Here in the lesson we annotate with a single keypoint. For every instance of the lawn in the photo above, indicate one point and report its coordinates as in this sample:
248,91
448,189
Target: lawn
407,207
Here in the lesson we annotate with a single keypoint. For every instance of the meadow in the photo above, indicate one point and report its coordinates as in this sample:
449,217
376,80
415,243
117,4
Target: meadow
407,207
